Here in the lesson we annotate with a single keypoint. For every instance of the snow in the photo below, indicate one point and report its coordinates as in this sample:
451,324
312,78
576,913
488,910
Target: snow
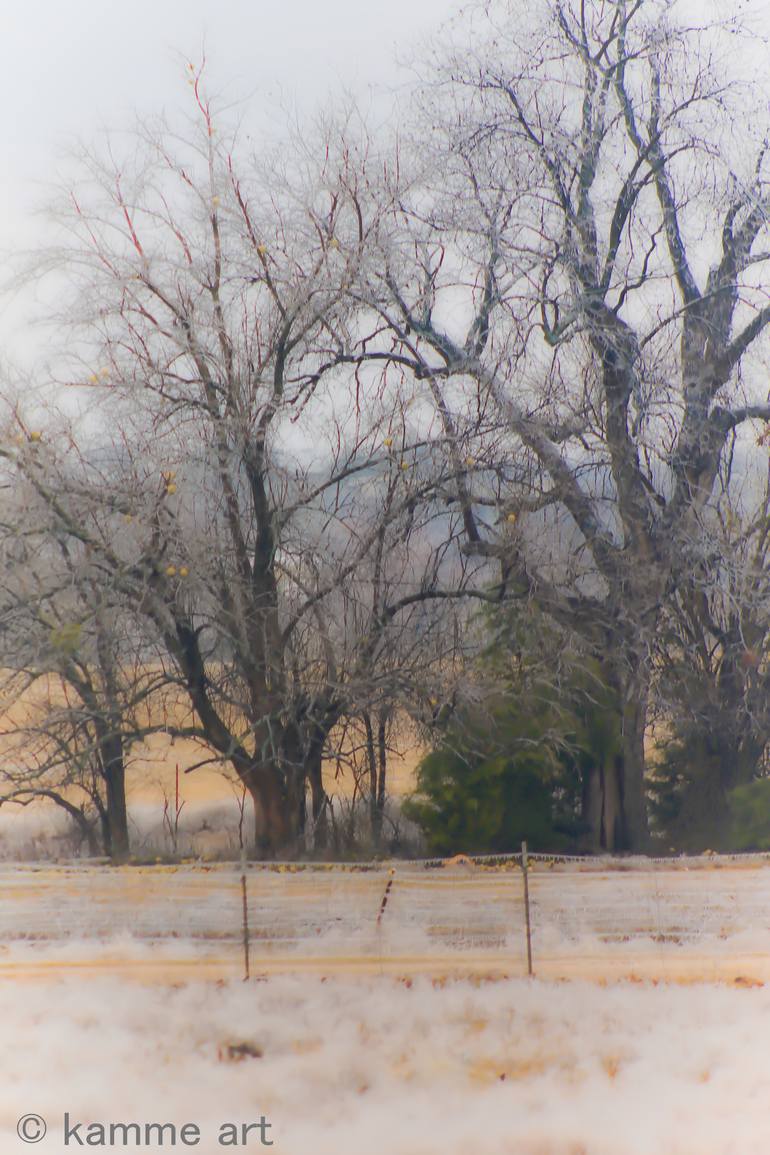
121,1001
398,1068
653,920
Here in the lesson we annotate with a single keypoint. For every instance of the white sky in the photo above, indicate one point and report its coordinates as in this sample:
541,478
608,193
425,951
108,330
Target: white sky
68,70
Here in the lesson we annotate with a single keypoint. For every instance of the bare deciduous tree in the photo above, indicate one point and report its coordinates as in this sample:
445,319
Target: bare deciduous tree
711,679
574,282
249,495
78,683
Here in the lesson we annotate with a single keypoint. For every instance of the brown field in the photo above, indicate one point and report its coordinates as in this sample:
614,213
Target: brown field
154,763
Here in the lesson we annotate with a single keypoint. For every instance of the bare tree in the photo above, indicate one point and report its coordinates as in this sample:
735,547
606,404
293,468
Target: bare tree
710,696
78,684
573,281
234,490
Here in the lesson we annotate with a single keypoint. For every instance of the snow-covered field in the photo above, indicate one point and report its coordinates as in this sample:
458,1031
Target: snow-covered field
355,1066
701,919
121,1002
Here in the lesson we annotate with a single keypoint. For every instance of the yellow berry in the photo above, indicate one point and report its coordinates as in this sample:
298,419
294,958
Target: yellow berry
35,435
171,488
511,518
387,442
183,571
170,570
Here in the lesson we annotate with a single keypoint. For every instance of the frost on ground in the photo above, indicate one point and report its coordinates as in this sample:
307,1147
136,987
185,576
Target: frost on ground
346,1066
364,1035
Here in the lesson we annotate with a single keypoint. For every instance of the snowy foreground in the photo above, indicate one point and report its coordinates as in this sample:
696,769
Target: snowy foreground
355,1066
123,1010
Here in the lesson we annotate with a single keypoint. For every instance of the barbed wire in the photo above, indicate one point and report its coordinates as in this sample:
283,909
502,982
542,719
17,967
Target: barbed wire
513,858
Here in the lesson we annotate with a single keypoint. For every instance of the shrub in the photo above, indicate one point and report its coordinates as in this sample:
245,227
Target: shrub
488,787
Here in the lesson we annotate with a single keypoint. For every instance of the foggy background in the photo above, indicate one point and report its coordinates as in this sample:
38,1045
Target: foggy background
70,71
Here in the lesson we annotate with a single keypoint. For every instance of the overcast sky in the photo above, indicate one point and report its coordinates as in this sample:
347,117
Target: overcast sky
69,69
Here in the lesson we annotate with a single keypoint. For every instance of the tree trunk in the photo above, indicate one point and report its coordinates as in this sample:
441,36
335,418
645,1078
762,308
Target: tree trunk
302,748
382,769
277,787
278,800
87,833
591,807
375,816
629,828
614,806
272,822
116,834
601,806
377,761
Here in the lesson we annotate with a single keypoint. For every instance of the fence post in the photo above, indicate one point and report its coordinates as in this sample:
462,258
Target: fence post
527,920
245,916
386,896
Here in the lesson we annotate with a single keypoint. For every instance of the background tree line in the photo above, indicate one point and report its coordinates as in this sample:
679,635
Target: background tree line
462,422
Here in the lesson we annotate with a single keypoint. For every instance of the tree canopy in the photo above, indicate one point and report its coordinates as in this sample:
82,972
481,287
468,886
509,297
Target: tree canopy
331,395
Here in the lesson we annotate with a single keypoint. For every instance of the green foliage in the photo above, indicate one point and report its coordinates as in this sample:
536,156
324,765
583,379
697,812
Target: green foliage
749,810
695,808
688,806
522,769
590,717
495,782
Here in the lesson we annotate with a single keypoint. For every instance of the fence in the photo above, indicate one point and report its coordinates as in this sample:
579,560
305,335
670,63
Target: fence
707,918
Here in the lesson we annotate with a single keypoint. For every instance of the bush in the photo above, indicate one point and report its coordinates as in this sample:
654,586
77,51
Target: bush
485,790
750,816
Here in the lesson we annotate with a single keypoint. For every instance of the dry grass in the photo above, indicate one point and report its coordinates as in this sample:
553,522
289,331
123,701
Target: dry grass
154,762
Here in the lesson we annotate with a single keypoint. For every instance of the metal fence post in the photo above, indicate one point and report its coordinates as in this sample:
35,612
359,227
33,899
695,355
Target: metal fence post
245,917
528,923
